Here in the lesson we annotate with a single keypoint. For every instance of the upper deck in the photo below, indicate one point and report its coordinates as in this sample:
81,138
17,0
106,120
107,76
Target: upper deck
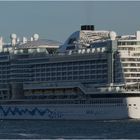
88,58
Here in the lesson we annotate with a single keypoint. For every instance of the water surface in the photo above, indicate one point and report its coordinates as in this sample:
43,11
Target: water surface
39,129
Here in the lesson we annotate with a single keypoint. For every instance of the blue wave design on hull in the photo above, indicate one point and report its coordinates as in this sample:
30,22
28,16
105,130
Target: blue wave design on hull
32,112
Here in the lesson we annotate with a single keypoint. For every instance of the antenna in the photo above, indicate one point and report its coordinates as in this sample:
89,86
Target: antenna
1,44
24,40
13,39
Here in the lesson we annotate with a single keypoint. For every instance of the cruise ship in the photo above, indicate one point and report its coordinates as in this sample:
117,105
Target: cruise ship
94,75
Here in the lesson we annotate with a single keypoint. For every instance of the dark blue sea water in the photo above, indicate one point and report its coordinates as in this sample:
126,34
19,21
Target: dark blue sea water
37,129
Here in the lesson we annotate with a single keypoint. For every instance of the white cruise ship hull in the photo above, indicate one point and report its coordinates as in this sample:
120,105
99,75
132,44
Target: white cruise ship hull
130,108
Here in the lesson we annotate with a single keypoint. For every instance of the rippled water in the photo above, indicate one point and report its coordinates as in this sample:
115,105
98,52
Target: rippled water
69,129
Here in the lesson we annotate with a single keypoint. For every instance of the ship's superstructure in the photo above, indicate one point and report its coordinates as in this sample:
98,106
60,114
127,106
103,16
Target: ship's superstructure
93,75
129,52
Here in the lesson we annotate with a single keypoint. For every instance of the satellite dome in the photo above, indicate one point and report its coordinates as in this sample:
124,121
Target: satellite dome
36,36
13,36
112,35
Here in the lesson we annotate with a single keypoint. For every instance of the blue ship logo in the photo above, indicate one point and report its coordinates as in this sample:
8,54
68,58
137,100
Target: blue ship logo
32,112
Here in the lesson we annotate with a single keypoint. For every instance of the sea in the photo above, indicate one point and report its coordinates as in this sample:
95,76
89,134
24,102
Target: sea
42,129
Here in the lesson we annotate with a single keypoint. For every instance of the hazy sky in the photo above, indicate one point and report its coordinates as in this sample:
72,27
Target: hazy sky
57,20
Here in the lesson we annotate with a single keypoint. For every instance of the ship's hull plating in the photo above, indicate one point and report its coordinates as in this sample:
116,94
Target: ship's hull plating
129,109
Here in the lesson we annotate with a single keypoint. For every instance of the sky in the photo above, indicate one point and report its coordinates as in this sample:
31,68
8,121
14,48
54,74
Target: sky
56,20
